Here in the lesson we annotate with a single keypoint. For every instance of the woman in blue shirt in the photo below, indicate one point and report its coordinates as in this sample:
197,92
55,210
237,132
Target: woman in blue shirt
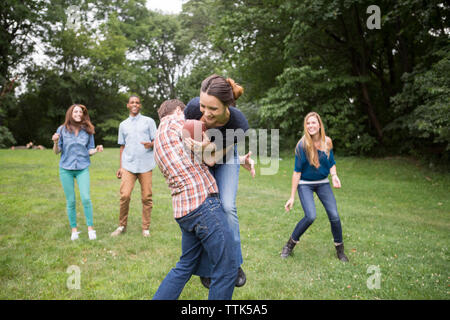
75,140
226,127
314,161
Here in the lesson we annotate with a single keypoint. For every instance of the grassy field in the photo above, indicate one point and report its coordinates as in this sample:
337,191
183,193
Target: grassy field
395,216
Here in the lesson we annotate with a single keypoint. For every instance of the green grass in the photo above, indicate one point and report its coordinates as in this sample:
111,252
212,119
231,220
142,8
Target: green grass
395,215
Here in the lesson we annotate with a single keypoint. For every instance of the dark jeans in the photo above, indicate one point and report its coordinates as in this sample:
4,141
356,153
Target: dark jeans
326,196
227,179
204,229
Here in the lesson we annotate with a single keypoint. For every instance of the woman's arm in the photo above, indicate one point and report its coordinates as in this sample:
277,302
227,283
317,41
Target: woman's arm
212,156
55,139
335,178
294,185
247,163
206,150
99,148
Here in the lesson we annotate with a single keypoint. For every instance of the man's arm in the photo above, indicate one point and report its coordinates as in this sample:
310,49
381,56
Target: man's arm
119,172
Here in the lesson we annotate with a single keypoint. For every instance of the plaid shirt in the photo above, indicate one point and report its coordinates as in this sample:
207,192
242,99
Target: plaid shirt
190,181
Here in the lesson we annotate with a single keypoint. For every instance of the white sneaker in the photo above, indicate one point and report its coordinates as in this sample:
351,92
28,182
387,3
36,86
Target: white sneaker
92,235
74,236
118,231
146,233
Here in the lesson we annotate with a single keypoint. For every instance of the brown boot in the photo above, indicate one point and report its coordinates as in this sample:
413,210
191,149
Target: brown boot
288,247
340,252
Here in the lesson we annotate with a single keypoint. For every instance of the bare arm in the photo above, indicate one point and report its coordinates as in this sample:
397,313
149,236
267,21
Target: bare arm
206,150
119,172
211,157
335,178
55,139
294,185
99,148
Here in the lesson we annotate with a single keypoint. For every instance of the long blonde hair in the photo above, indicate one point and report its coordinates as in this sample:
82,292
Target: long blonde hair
308,144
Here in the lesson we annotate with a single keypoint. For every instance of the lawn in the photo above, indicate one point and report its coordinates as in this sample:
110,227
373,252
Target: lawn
395,217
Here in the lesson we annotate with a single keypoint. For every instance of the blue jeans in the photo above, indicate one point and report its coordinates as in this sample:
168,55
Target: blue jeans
227,179
326,196
203,230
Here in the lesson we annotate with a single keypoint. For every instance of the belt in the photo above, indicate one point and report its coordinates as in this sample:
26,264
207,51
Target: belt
213,195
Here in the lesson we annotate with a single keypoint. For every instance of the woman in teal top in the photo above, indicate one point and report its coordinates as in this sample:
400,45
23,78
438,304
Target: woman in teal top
314,161
75,140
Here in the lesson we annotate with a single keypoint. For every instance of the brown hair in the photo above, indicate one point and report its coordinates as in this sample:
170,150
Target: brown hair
226,90
168,107
85,124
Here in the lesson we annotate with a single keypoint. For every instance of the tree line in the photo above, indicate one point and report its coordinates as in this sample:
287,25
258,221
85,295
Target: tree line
380,91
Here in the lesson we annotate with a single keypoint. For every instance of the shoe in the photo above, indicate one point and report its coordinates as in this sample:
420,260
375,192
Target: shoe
288,247
340,253
118,231
146,233
241,279
74,236
206,282
92,235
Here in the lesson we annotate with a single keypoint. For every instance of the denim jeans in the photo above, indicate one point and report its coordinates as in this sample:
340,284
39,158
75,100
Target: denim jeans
68,182
326,196
203,230
227,179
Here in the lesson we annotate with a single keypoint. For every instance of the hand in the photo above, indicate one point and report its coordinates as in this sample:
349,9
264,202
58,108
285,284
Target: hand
147,144
119,173
99,148
55,137
197,146
336,181
248,163
289,204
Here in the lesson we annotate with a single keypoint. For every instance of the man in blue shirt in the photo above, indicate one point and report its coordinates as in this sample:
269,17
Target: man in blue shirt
136,135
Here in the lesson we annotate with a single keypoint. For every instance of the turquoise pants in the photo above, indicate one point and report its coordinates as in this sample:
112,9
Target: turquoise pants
68,182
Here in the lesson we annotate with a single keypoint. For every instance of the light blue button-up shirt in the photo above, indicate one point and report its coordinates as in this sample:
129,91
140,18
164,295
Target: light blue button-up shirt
133,131
74,149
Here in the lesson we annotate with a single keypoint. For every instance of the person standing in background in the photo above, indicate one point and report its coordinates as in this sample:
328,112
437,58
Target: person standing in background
75,140
136,135
314,161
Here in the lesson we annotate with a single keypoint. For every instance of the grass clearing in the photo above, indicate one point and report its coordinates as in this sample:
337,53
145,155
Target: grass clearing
395,215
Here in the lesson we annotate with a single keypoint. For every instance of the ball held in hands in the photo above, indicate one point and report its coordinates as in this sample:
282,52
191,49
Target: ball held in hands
194,129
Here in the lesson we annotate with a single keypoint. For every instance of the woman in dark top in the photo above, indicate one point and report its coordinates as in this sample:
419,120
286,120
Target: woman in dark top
226,127
314,161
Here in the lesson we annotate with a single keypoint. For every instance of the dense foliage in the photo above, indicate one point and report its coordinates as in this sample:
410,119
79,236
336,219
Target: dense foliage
379,91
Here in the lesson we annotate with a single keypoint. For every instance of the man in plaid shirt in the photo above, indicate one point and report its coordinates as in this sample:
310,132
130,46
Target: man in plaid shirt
197,210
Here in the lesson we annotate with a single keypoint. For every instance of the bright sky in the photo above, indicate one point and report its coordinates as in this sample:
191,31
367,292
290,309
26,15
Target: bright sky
167,6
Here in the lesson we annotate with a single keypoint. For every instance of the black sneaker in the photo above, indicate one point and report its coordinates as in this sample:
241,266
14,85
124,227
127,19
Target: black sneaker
206,282
241,279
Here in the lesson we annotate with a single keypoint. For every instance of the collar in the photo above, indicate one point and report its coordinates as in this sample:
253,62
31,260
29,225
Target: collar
135,118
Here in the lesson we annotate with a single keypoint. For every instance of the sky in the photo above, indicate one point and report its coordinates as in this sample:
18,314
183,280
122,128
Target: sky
166,6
